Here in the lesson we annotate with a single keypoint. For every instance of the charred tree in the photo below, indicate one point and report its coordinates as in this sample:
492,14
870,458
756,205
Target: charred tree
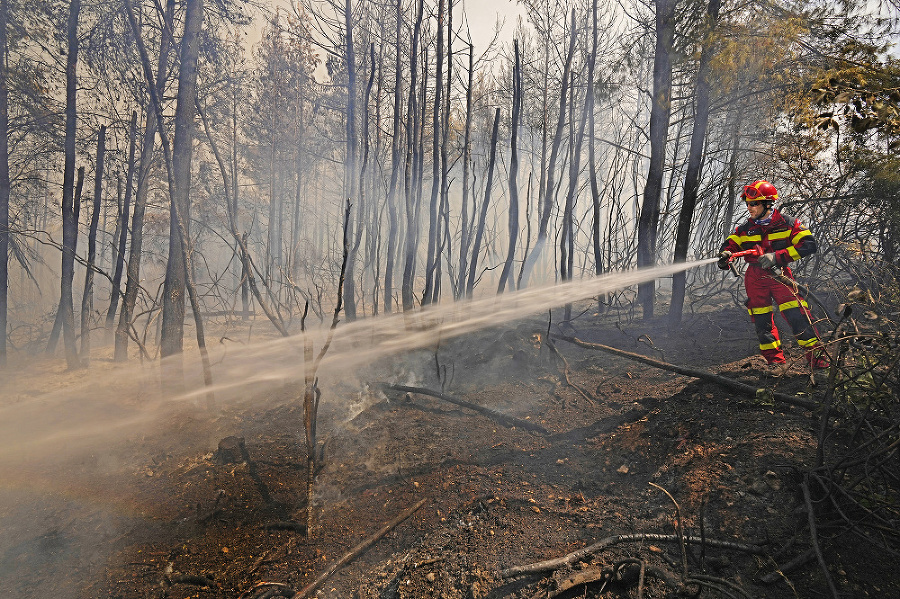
4,181
122,226
53,340
172,337
87,297
69,200
567,239
411,168
547,193
660,110
482,217
351,170
396,146
133,270
465,226
431,257
592,159
506,279
695,162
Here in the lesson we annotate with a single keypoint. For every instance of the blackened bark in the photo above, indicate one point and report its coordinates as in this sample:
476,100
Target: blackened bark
395,170
465,227
133,270
69,200
410,176
351,169
660,111
547,193
695,163
567,239
172,336
433,217
87,297
479,229
592,161
4,181
505,275
122,226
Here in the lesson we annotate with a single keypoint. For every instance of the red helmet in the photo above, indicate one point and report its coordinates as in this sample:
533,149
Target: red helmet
760,190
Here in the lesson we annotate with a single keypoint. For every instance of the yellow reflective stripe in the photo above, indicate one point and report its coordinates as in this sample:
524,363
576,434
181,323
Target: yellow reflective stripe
793,253
808,342
774,345
763,310
780,235
742,239
793,304
796,238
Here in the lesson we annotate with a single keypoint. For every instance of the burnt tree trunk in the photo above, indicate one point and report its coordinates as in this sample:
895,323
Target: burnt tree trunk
506,280
4,181
660,111
69,200
547,193
482,217
465,226
592,160
172,339
411,169
433,217
351,171
122,226
695,163
87,296
133,269
395,170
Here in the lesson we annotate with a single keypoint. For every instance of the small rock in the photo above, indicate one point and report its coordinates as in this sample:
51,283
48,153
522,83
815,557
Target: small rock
623,469
430,577
759,487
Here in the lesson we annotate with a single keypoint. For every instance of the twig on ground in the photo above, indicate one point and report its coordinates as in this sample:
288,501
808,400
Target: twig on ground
358,550
501,418
569,382
584,553
811,518
781,571
679,531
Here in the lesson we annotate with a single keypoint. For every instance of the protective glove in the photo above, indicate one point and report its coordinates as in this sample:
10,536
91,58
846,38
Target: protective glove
767,261
724,259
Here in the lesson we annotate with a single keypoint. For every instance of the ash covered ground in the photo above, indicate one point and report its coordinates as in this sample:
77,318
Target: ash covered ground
593,446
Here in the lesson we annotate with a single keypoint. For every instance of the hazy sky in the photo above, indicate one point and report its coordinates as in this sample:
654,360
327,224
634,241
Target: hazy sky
481,16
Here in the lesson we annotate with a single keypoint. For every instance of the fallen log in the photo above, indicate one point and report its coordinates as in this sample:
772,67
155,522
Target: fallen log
693,372
493,414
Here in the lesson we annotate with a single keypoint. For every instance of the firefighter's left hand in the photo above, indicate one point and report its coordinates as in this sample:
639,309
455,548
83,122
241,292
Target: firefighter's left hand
767,261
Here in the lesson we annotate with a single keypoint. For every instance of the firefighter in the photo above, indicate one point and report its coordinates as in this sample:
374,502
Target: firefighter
780,240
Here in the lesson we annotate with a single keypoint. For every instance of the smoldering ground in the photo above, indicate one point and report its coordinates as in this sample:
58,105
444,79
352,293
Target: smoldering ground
68,457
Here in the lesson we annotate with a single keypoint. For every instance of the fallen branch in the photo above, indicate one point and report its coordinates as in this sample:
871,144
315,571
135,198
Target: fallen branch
811,517
569,382
358,550
692,372
781,571
584,553
495,415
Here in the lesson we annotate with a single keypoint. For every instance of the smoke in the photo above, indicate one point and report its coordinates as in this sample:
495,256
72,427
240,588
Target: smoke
62,453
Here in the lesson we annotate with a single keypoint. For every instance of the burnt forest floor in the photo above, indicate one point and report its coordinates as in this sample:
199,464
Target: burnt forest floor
612,447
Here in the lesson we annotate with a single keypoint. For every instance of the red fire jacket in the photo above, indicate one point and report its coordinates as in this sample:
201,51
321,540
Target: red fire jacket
783,236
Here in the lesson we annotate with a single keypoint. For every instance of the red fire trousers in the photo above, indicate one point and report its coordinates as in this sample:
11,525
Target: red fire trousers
762,291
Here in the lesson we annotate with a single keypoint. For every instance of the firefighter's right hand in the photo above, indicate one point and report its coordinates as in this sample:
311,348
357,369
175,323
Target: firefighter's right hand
724,260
